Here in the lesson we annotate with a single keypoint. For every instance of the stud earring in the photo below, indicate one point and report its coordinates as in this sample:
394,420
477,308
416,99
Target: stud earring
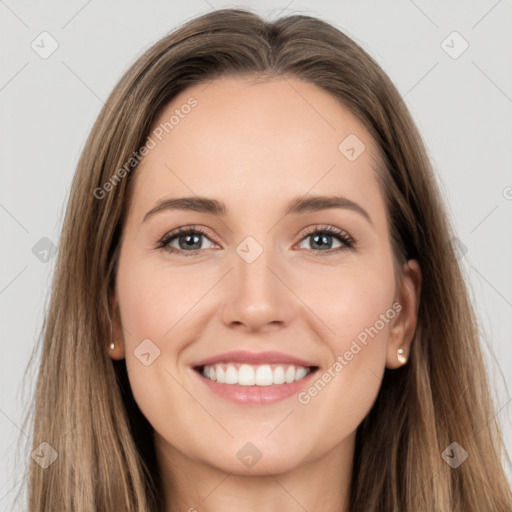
400,356
112,346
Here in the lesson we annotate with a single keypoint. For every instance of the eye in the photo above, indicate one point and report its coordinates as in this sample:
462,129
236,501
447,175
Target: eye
320,238
188,240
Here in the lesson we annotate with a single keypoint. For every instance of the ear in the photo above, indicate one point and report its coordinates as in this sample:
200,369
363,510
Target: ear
404,325
117,331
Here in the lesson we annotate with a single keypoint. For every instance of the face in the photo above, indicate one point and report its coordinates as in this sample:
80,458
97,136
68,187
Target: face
290,301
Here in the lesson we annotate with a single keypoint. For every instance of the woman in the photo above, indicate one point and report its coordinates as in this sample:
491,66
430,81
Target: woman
257,303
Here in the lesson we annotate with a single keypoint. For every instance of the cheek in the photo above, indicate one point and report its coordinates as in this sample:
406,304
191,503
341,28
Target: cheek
356,303
345,390
155,298
153,304
360,318
363,311
348,299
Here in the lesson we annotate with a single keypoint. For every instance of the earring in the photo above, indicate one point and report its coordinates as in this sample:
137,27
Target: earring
400,356
111,342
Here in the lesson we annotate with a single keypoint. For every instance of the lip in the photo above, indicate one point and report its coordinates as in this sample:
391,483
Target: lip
244,356
257,395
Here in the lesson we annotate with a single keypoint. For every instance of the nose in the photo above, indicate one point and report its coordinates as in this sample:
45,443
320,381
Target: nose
258,297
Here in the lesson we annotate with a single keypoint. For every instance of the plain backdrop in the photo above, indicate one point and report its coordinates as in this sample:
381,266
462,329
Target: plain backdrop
452,63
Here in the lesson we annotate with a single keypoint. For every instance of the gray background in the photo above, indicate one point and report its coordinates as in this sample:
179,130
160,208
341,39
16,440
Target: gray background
462,105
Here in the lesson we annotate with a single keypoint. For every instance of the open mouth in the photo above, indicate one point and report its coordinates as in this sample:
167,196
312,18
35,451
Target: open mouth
262,375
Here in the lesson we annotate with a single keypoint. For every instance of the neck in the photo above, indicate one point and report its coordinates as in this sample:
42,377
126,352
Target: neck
319,483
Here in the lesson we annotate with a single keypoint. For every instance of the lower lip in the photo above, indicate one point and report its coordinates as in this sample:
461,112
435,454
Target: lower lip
256,395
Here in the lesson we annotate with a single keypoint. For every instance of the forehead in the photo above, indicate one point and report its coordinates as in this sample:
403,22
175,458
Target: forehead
258,141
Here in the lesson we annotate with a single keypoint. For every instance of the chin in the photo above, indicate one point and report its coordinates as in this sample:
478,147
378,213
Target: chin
246,455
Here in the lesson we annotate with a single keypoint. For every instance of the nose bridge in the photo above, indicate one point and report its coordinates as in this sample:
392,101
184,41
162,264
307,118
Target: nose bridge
252,262
256,296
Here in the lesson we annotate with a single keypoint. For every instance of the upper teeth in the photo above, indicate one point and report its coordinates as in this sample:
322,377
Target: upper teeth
258,375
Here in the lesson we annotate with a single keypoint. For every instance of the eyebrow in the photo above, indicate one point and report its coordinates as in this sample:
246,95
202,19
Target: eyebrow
298,205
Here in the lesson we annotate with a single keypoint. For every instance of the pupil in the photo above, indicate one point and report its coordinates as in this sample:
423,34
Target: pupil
323,240
189,242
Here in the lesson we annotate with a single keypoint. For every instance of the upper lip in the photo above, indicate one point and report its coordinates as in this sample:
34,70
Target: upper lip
242,356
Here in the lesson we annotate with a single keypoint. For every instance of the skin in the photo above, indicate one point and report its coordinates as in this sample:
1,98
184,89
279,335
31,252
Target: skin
256,146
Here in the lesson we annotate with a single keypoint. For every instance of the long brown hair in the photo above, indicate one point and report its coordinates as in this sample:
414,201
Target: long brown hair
83,406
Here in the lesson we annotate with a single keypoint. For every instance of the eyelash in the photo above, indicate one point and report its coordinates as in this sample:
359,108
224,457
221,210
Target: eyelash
347,241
